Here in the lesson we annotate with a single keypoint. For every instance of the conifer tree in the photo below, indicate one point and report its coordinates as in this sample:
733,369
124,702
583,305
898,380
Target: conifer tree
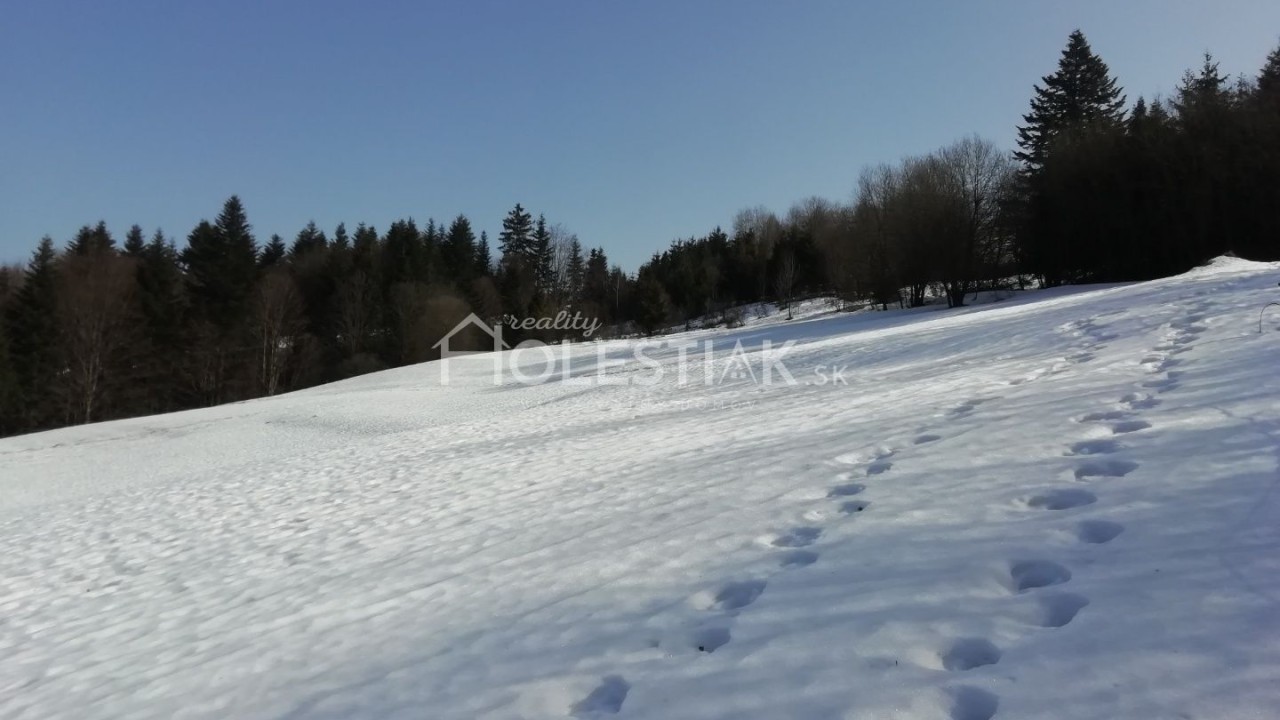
162,306
273,252
91,240
483,260
541,258
402,252
1080,94
458,251
32,329
308,240
575,271
516,238
222,266
341,240
135,243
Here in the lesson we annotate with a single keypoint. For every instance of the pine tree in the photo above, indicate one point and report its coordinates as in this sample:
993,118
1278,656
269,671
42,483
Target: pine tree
1202,94
429,261
576,271
1080,94
240,247
1269,77
458,251
483,260
135,243
542,258
341,241
516,238
91,240
402,252
653,304
32,328
162,304
365,251
308,240
222,266
518,269
273,252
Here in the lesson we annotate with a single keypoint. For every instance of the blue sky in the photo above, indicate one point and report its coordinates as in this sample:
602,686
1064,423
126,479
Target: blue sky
632,123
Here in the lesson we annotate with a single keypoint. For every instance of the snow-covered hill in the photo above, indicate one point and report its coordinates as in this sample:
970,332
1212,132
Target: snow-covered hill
1062,505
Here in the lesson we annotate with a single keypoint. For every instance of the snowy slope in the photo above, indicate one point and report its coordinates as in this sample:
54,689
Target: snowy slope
1059,506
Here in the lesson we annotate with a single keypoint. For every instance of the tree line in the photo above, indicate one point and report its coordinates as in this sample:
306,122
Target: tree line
1098,190
101,329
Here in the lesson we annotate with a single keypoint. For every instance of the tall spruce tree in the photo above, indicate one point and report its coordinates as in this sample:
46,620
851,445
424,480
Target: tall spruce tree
32,325
273,252
91,240
341,240
458,250
222,266
162,303
542,259
1080,94
135,243
516,238
483,260
575,271
308,240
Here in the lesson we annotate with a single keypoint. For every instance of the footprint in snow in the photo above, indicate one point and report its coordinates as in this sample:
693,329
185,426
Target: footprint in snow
797,559
971,404
846,490
816,515
1162,385
1129,426
1063,499
969,653
796,537
865,456
1027,575
879,467
605,699
1093,447
1098,532
971,703
1105,468
1056,610
924,439
853,507
1139,401
730,597
710,639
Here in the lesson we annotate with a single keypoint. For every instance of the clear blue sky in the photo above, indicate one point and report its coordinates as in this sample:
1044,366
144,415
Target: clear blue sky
632,123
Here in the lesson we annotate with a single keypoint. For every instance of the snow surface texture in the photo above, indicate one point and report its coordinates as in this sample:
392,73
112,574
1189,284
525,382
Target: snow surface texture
1062,505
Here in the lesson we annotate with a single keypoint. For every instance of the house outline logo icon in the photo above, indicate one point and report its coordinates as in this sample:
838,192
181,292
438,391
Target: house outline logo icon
493,331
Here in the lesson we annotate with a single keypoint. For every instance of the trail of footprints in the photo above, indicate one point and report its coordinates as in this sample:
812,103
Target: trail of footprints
719,607
1030,577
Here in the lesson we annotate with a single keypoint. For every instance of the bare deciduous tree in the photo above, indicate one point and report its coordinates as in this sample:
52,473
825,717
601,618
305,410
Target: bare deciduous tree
355,318
278,320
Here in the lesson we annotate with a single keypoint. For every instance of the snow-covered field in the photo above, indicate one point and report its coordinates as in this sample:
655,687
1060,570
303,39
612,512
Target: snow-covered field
1062,505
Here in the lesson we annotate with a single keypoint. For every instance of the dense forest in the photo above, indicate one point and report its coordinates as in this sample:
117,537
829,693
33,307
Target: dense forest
1099,189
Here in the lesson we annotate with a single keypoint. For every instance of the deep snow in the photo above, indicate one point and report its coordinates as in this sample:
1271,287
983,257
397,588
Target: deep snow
1062,505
